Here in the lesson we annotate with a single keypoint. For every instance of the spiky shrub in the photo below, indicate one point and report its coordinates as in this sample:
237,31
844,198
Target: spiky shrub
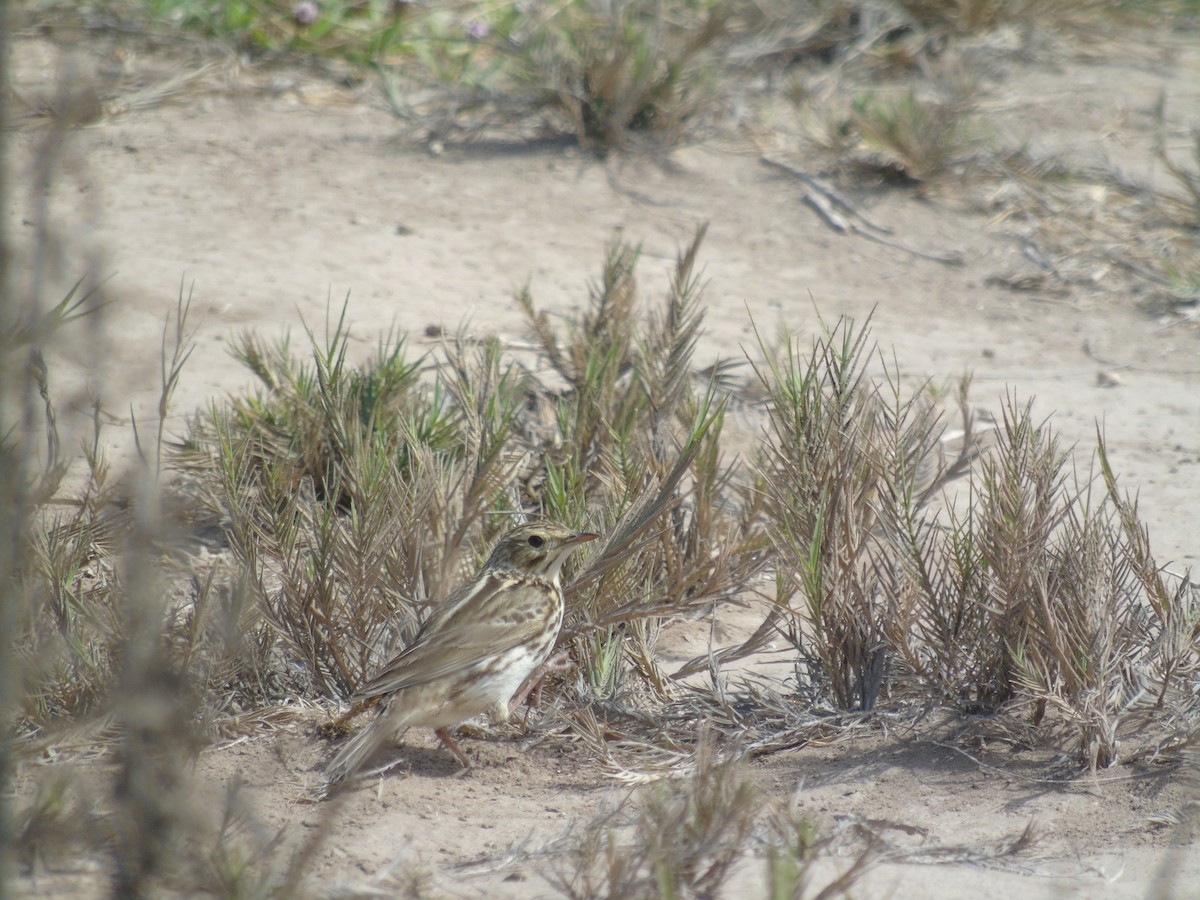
357,496
622,68
918,136
636,446
1022,503
308,417
964,586
1133,641
1082,648
839,450
942,635
1028,594
1042,597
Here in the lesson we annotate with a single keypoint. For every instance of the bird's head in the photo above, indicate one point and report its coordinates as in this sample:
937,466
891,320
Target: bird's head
538,549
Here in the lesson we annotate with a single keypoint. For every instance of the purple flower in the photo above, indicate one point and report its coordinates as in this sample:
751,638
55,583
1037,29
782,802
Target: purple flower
305,12
477,29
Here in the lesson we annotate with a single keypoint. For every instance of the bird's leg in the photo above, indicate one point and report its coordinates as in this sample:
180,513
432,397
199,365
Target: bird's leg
532,687
444,736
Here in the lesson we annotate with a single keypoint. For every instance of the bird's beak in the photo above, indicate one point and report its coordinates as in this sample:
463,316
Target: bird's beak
581,537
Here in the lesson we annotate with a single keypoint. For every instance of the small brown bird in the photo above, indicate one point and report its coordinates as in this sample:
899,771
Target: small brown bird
477,649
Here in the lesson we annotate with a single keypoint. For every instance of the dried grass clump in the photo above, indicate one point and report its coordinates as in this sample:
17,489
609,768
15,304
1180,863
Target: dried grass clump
842,454
685,836
617,70
1043,597
1028,594
637,443
688,834
350,493
353,497
920,137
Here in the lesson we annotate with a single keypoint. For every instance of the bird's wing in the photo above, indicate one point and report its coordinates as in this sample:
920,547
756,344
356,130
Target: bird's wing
485,618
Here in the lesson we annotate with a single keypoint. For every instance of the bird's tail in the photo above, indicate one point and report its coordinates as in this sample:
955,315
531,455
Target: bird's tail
358,749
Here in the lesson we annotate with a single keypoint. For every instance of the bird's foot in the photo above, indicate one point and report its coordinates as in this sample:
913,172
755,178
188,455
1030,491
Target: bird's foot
444,736
531,690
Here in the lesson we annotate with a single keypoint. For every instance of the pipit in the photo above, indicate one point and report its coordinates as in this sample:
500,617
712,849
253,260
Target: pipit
481,651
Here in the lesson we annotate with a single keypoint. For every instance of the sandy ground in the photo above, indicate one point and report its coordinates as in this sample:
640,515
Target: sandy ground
274,205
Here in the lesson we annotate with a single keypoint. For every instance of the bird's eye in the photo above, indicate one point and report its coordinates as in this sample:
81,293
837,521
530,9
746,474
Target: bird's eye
536,541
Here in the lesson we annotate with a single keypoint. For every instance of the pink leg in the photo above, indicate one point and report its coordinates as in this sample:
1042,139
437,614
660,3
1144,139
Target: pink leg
444,736
559,662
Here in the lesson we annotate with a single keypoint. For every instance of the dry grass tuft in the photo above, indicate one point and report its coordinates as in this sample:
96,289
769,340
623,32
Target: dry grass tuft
688,833
844,456
618,69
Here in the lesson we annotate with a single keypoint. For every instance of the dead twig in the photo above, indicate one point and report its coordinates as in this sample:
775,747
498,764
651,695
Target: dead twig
823,201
